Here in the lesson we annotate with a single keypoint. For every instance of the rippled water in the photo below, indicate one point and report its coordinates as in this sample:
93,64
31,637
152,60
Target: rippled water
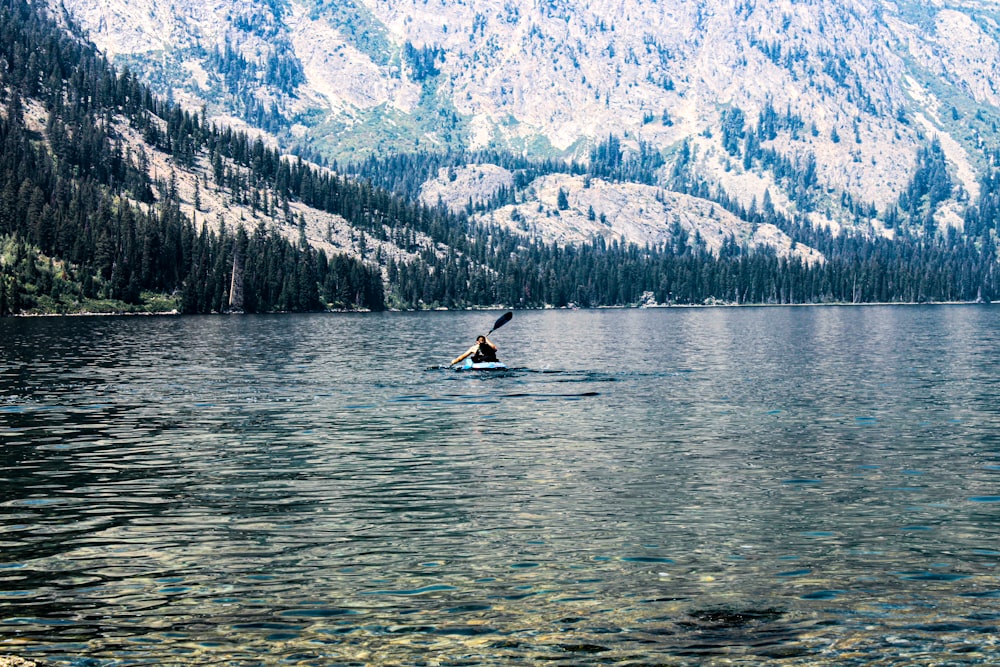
681,486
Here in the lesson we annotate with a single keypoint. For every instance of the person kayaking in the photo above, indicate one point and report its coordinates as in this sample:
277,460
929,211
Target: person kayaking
484,350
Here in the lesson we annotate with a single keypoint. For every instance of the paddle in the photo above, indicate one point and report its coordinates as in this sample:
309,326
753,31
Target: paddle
502,320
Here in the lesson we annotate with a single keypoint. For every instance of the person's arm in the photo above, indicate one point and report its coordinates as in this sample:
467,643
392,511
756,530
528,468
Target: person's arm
465,354
490,343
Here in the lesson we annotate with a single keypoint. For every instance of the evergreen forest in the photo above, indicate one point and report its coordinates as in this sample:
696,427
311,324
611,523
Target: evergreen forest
86,224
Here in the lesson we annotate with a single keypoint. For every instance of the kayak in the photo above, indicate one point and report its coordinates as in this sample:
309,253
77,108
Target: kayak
469,365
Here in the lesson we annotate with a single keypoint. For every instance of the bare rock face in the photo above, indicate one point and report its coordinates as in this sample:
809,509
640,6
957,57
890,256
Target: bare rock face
847,92
577,209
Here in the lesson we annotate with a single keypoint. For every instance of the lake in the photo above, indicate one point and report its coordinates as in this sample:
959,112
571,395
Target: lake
740,486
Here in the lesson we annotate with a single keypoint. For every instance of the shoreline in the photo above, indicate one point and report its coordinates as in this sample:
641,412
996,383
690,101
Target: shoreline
653,306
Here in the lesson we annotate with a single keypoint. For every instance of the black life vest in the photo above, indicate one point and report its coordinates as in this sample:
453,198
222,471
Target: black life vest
484,353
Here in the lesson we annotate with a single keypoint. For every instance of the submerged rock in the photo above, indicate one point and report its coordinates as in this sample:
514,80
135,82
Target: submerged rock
14,661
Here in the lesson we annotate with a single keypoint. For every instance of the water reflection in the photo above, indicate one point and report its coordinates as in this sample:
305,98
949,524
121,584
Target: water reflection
800,485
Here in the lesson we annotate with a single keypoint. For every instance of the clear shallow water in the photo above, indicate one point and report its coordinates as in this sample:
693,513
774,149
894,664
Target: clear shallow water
716,486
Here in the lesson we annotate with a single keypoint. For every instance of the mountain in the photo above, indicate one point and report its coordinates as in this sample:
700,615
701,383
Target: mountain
849,92
113,197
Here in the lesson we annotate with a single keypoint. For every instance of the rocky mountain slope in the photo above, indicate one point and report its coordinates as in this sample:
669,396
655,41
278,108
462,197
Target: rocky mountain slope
117,199
846,91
